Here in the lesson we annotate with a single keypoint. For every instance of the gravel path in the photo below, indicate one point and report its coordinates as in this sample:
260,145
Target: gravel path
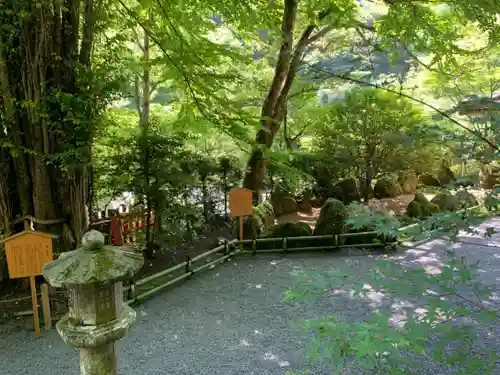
231,320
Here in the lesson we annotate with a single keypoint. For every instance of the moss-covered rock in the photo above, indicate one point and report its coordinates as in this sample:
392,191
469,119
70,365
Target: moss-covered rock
283,203
446,202
387,188
331,218
408,182
289,205
428,180
347,191
446,176
465,199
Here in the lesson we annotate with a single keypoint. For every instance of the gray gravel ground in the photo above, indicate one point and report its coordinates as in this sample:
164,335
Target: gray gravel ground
231,320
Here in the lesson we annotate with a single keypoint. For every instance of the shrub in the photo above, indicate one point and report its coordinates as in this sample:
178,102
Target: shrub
465,199
446,202
428,180
414,209
387,188
446,176
258,223
331,218
362,220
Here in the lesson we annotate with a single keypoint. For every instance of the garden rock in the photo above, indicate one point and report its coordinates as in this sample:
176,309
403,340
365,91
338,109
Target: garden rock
331,219
288,205
427,179
277,201
446,202
465,199
347,191
409,183
387,188
305,207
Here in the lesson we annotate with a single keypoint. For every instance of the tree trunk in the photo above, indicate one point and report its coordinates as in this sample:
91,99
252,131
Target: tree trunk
42,111
370,151
274,106
144,111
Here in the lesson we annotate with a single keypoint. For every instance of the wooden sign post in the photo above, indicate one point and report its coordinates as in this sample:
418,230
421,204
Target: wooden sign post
240,204
26,253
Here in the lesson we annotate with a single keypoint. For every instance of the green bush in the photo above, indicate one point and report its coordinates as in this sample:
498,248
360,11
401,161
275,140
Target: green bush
465,199
446,176
414,209
380,227
446,202
331,218
427,179
387,188
257,224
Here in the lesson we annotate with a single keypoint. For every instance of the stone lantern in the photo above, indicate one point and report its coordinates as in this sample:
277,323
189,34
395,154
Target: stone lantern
97,316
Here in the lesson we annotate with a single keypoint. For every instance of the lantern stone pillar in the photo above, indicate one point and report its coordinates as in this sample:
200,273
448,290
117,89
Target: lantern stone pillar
98,316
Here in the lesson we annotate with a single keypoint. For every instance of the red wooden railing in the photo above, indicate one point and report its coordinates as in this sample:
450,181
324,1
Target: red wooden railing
122,228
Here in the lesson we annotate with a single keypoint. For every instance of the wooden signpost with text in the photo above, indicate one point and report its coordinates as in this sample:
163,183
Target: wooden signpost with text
240,204
26,253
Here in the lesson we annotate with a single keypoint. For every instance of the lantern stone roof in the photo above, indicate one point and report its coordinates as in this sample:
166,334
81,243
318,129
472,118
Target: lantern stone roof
93,263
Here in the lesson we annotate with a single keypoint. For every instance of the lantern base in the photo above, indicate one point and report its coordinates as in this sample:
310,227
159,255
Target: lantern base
96,336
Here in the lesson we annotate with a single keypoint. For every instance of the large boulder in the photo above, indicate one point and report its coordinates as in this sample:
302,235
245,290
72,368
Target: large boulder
289,205
446,176
427,179
446,202
347,191
283,203
387,188
409,183
465,199
331,219
304,204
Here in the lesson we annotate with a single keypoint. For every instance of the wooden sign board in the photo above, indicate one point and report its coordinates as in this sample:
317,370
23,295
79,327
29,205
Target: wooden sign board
27,252
240,202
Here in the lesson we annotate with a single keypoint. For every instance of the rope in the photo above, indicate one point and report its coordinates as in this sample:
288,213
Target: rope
38,221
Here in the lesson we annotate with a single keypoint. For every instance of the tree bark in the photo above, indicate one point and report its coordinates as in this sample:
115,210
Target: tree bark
38,77
274,107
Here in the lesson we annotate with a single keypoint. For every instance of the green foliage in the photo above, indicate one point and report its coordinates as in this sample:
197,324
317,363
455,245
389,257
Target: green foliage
332,218
427,179
290,229
446,202
454,311
387,188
